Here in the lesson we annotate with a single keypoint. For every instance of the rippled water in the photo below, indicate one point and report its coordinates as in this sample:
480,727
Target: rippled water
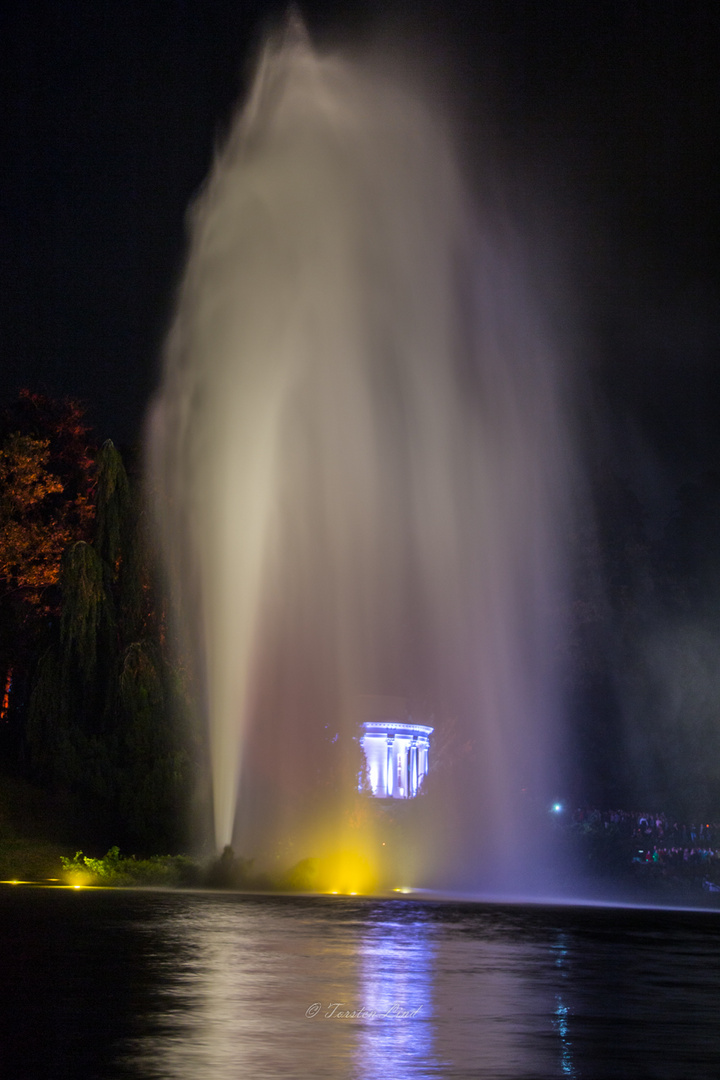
128,984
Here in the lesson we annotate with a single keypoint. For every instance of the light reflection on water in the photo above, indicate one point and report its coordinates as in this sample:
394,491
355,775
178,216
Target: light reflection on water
396,989
562,1012
368,990
240,980
372,990
187,986
263,990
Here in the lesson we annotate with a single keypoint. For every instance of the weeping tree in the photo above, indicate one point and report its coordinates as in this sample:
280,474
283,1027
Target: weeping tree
152,762
69,698
86,630
112,507
100,712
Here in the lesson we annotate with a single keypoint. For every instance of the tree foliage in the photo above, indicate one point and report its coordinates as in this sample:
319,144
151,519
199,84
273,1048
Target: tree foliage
112,506
83,623
105,693
33,535
84,609
45,495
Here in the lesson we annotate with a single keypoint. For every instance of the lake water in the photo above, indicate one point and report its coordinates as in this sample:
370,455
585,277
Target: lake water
109,983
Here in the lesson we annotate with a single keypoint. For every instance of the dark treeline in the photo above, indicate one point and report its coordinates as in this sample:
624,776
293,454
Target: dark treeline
91,700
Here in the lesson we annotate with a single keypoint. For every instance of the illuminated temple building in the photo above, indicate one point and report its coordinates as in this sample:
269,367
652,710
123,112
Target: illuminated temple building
397,756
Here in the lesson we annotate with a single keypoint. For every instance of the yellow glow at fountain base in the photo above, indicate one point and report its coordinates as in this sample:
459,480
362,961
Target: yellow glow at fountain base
343,872
347,873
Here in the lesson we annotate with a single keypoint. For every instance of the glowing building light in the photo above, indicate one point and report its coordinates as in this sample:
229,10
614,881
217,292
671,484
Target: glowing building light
397,757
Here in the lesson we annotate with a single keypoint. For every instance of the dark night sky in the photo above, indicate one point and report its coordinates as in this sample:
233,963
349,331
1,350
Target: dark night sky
609,114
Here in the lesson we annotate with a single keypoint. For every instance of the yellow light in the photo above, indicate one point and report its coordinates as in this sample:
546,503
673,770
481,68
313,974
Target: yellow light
78,878
345,872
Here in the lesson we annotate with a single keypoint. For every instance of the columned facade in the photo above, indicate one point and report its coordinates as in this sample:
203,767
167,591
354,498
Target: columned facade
397,757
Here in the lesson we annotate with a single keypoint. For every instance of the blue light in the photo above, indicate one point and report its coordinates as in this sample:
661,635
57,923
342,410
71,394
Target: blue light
557,808
397,757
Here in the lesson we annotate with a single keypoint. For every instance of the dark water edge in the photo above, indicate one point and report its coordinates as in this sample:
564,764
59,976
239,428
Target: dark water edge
132,983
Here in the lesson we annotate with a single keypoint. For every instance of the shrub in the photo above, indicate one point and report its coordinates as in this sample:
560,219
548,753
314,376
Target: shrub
114,870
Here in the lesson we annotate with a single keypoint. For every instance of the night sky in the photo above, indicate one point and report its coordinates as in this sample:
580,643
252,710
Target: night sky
604,119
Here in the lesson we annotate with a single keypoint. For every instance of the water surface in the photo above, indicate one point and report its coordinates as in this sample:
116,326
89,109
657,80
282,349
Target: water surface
110,983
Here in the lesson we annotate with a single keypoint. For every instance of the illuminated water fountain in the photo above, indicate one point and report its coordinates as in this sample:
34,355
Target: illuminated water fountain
360,470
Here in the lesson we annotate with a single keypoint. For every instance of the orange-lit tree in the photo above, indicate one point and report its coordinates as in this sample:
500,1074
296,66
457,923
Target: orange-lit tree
46,484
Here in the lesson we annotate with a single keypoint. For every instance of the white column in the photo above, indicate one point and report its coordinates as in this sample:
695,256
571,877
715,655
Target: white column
414,781
389,771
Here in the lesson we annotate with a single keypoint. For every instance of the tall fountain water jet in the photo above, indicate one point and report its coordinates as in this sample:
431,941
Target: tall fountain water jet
359,460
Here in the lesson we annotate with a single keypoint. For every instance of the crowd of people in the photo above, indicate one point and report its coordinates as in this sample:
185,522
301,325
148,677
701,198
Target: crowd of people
660,845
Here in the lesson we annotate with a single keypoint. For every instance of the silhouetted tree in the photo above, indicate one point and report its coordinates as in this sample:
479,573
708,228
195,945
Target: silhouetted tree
101,714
